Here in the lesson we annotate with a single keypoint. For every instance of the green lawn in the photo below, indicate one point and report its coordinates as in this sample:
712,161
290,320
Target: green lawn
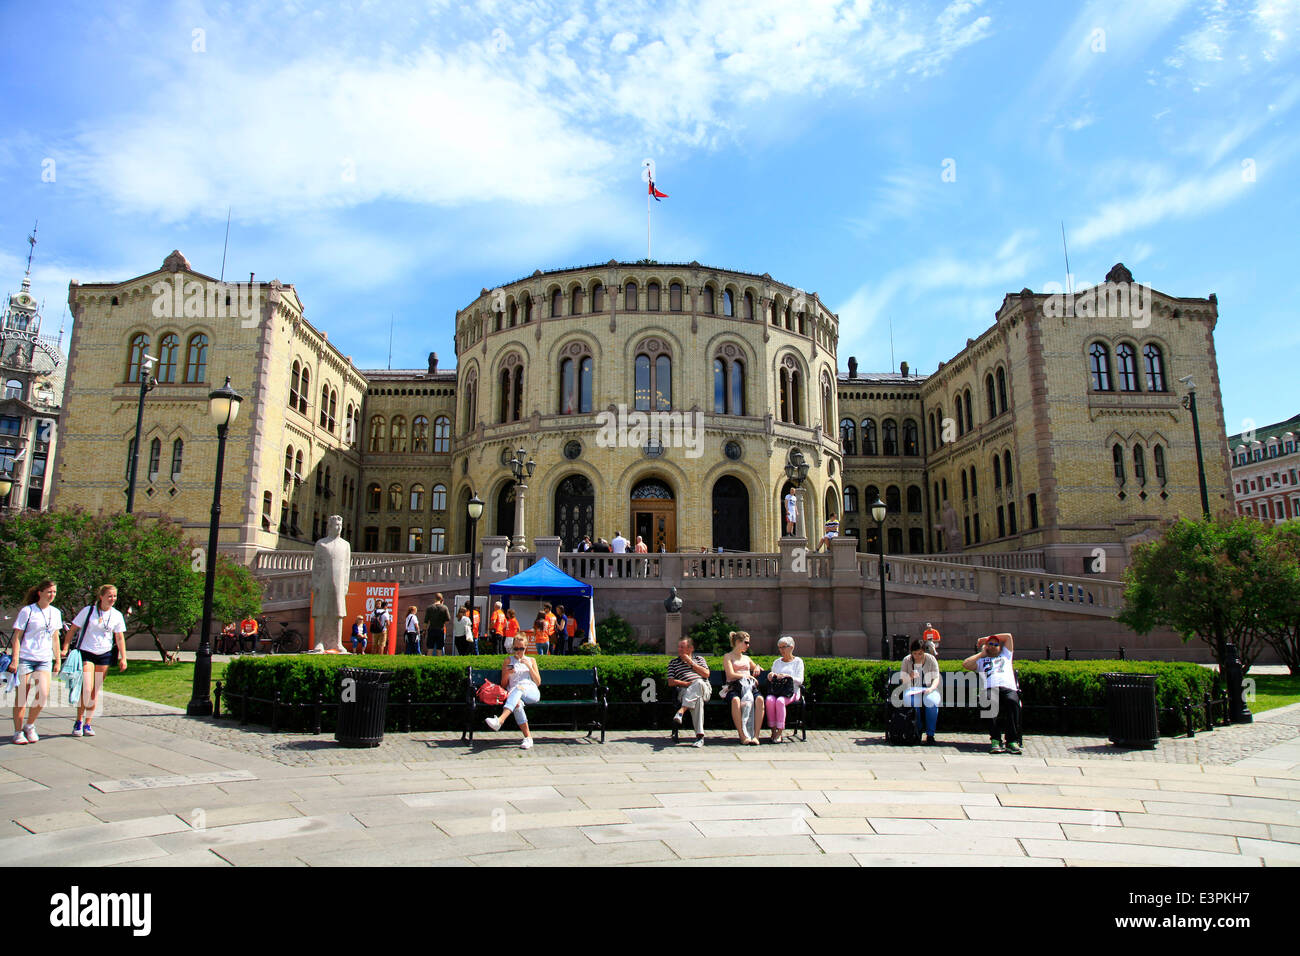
1274,690
156,681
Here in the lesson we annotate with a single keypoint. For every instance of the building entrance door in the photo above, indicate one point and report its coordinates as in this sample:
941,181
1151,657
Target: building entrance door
654,515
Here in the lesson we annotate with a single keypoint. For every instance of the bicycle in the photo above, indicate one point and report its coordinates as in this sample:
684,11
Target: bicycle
288,641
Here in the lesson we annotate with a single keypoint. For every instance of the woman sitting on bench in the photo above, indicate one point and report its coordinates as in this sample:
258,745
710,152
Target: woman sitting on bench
520,678
742,688
920,674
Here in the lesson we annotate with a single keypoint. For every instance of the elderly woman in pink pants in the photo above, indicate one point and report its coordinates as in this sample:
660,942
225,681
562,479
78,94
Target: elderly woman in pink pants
788,666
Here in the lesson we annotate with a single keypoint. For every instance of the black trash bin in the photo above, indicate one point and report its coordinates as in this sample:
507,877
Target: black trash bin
363,706
901,641
1131,710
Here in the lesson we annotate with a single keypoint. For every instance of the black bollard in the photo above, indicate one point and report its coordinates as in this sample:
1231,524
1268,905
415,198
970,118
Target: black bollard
1121,652
1187,717
1067,652
1047,656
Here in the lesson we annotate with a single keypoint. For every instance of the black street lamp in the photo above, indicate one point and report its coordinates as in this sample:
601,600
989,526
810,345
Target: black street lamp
475,511
878,513
1189,403
796,472
223,406
147,383
6,485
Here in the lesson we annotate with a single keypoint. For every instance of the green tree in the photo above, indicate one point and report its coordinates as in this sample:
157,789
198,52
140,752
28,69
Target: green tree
1279,579
1205,580
710,633
158,572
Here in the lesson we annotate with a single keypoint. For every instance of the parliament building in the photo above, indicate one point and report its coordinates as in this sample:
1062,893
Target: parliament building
656,399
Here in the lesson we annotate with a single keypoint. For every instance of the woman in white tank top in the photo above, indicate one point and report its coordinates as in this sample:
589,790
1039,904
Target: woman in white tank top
520,677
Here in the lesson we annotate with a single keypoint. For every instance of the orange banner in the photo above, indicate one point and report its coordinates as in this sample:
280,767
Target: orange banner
362,598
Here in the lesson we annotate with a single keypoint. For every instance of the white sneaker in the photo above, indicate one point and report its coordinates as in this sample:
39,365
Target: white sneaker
76,729
19,738
494,723
699,742
32,735
527,744
85,729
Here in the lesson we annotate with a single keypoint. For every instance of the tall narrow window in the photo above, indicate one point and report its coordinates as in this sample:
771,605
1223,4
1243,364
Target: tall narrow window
970,420
420,435
1126,362
155,453
556,298
848,437
974,487
1158,454
438,498
417,497
630,303
749,305
598,298
324,406
139,348
709,304
441,435
997,474
729,303
304,391
178,458
719,387
196,359
1002,393
1006,468
1099,366
961,422
568,387
378,432
933,443
889,436
528,309
1033,511
1139,464
737,387
785,394
585,368
869,437
397,437
295,377
1117,462
1011,516
1155,368
652,297
893,500
675,297
911,439
642,385
663,383
167,349
394,497
575,305
991,394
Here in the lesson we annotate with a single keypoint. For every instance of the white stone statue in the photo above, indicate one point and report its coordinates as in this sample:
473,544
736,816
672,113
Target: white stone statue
331,568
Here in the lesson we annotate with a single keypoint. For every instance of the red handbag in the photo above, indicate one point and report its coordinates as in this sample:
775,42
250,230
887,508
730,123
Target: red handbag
492,694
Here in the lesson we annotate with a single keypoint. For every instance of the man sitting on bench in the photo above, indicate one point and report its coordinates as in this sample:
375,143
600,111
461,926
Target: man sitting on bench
689,672
993,661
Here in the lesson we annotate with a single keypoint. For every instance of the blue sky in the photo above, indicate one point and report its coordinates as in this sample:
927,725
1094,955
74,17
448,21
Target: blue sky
394,159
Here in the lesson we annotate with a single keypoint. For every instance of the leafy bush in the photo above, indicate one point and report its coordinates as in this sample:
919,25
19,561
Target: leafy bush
710,634
589,649
846,693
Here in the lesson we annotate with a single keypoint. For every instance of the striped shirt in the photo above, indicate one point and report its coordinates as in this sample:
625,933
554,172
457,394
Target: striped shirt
678,669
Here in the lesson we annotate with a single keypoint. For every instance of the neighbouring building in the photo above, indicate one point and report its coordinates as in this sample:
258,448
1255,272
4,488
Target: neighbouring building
1264,467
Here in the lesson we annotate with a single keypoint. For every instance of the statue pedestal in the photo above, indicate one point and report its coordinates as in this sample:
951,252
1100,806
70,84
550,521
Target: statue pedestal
672,631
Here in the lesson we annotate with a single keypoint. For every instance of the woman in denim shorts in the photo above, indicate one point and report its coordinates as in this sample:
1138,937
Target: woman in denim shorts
34,648
100,625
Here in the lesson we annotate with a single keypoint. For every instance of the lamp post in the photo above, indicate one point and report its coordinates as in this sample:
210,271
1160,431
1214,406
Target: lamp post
796,471
223,406
878,513
475,511
1189,403
522,470
6,485
147,383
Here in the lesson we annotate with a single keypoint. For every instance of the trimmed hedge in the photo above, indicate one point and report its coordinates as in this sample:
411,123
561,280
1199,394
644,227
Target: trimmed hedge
847,692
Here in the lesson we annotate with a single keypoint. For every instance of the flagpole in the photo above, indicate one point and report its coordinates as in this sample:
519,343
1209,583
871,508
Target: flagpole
649,186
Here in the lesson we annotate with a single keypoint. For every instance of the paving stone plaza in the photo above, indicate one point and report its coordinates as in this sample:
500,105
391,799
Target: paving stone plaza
155,788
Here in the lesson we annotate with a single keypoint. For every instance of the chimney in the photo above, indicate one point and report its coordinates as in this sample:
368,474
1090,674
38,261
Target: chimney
433,363
903,368
250,278
853,367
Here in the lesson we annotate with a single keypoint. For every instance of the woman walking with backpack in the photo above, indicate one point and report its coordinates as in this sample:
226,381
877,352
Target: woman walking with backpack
33,647
101,626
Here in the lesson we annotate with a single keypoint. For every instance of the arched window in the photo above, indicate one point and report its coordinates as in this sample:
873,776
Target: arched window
139,348
512,315
709,302
737,387
1099,366
471,401
850,499
511,389
288,467
870,495
970,412
575,301
394,497
1117,463
378,431
991,394
933,443
1158,455
911,440
267,504
997,472
438,541
155,454
653,385
598,298
1002,390
420,434
1139,464
630,303
372,496
334,406
828,405
397,437
974,485
295,376
441,435
556,298
14,389
749,305
728,303
848,439
719,387
915,503
297,467
167,349
417,497
178,458
1155,368
1006,469
304,391
575,381
869,437
675,297
893,500
965,486
1126,362
652,297
889,437
438,498
961,422
324,406
196,359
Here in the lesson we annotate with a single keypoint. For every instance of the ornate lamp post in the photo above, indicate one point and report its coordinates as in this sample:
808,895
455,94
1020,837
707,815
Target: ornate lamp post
6,485
223,406
475,511
796,471
147,383
1189,403
878,514
522,470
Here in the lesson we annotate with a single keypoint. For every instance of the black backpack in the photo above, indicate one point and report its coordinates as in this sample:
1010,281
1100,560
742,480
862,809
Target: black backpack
377,622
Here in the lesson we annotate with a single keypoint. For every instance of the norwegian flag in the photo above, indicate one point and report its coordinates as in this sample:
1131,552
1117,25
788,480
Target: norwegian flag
656,193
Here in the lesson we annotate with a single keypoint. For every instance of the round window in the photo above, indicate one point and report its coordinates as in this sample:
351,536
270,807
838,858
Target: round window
732,450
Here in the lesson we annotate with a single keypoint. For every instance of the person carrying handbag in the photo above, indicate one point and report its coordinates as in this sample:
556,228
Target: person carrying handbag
101,641
785,681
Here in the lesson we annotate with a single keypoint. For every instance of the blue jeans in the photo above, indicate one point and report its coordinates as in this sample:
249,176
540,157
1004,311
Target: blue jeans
543,649
525,692
927,710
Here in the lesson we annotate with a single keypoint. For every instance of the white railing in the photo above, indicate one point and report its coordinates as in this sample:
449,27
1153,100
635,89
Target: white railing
1006,560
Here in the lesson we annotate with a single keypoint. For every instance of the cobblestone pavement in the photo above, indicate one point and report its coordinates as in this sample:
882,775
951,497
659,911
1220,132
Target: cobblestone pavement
153,788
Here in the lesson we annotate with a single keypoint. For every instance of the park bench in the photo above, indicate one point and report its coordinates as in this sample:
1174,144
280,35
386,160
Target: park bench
576,690
796,712
958,694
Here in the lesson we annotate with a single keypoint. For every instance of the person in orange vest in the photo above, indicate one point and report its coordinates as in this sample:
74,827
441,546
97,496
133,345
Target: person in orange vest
511,627
571,628
551,620
542,633
476,617
498,625
931,634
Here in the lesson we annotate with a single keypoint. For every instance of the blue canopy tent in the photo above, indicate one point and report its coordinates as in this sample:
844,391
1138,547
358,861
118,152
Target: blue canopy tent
544,580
